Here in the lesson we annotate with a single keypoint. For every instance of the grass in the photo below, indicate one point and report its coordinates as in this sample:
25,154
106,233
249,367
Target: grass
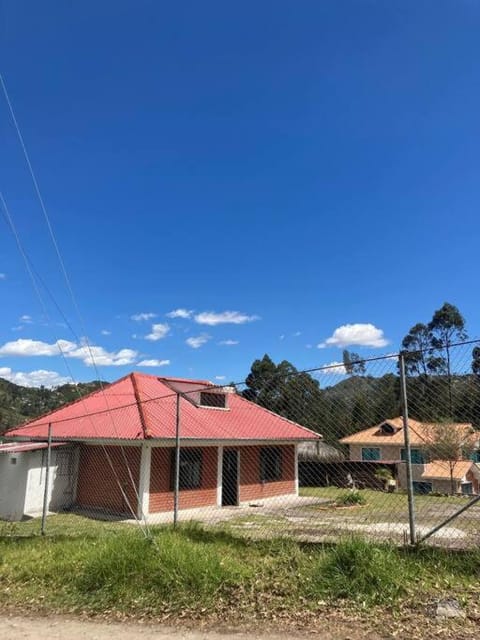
351,498
198,572
380,499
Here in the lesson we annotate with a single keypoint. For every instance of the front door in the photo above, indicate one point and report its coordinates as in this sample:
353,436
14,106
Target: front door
230,477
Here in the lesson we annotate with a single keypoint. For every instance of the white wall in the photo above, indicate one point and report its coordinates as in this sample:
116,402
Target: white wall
22,482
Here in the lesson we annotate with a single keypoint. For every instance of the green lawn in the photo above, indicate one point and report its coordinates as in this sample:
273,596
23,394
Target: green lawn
378,499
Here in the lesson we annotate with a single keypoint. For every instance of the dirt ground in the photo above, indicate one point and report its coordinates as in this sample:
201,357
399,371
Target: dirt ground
54,627
59,628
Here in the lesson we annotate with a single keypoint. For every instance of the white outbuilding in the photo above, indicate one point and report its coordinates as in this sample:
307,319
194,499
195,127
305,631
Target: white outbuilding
23,475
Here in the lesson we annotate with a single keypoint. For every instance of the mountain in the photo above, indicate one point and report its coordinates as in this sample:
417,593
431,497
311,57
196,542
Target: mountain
19,404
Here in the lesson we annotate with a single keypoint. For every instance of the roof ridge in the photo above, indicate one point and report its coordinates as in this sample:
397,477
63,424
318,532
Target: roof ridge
138,401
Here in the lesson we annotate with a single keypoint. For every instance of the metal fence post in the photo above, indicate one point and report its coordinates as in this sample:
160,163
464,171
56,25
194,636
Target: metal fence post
176,483
408,457
47,480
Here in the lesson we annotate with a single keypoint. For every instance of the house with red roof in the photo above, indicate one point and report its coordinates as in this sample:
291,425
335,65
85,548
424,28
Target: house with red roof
122,441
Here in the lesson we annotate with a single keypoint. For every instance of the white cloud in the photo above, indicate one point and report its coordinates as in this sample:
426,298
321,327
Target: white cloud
89,355
212,318
220,377
228,343
197,341
296,334
153,363
180,313
158,332
362,334
282,337
142,317
18,327
38,378
3,276
27,347
26,319
106,332
92,356
334,369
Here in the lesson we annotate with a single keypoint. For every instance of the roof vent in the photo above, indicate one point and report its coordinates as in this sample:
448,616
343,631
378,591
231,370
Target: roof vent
389,429
213,399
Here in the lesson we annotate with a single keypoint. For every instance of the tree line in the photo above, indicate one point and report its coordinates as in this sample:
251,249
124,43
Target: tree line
436,391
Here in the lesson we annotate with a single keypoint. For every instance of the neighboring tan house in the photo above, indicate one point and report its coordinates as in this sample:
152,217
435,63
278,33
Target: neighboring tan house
384,443
122,443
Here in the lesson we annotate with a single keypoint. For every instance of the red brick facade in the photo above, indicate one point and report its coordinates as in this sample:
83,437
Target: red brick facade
251,488
98,484
161,494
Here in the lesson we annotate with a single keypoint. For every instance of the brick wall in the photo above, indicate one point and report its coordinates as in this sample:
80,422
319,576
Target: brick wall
98,486
161,495
251,488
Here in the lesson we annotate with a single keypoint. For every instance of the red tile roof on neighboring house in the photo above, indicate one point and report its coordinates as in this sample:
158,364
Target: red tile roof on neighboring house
420,433
443,469
141,406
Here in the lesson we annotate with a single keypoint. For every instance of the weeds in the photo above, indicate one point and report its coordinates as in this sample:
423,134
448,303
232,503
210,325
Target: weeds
196,571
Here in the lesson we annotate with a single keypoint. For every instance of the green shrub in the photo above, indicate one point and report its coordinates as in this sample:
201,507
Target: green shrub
351,498
358,570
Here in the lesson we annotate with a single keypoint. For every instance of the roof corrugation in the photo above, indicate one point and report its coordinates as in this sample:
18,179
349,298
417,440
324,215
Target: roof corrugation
114,413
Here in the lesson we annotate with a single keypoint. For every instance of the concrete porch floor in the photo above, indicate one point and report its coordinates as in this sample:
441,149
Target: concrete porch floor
276,506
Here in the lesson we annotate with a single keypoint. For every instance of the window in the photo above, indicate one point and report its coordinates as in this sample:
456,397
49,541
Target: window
475,457
209,399
64,463
370,453
270,464
467,488
422,488
416,456
190,476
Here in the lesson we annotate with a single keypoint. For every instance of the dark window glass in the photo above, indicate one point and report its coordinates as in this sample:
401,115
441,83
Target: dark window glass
270,464
213,399
416,456
190,476
370,453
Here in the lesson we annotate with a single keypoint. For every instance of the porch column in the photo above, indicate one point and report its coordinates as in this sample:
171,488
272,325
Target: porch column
144,481
296,469
219,475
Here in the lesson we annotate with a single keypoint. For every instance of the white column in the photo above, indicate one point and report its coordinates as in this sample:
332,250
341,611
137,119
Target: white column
296,469
219,475
144,481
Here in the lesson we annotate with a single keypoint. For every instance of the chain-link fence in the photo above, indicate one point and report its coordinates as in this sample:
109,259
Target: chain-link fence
385,448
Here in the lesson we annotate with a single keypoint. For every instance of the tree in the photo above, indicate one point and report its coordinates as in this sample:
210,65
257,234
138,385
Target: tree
476,361
353,364
286,391
451,444
447,327
418,354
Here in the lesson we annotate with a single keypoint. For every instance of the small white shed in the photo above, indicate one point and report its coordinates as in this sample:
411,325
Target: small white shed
23,477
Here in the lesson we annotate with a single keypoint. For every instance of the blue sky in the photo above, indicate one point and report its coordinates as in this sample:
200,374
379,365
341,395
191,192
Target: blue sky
306,165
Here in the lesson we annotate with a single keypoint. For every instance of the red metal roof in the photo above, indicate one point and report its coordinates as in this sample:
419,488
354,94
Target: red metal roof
20,447
141,406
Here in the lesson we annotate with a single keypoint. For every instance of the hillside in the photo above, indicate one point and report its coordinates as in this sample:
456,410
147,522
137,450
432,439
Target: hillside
19,404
